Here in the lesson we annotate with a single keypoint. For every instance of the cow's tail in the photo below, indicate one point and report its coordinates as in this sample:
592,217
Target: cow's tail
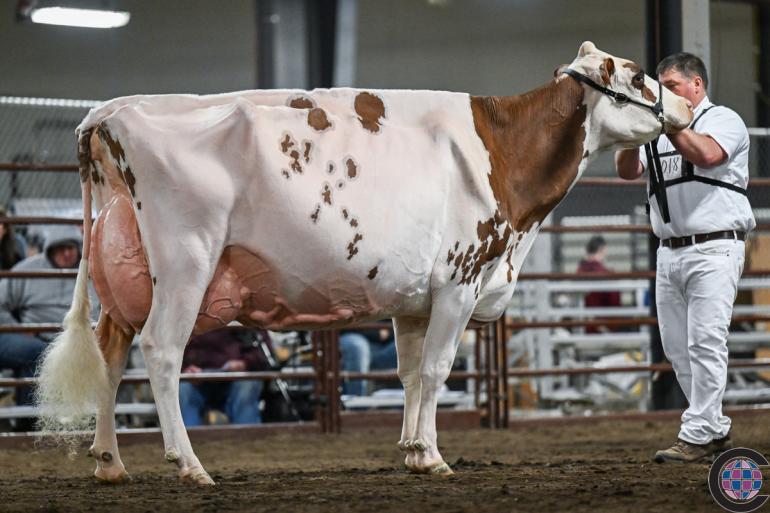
72,371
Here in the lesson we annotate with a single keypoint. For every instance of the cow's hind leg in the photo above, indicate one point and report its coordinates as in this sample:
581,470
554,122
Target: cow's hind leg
115,344
410,335
450,313
176,299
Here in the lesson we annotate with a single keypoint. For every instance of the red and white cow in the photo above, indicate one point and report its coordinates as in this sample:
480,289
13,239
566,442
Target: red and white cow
305,210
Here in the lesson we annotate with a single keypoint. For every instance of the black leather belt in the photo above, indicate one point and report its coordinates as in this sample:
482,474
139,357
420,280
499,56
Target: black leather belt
681,242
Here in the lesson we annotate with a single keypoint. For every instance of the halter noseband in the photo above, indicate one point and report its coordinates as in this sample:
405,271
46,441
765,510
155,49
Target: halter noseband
656,108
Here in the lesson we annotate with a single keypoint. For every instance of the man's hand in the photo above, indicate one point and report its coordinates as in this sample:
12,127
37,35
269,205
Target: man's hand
234,366
627,164
192,369
701,150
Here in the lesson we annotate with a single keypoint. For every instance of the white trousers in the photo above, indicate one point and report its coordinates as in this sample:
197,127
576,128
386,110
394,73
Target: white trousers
695,291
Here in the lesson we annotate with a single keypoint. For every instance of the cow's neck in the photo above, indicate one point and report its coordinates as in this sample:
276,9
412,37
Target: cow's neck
535,143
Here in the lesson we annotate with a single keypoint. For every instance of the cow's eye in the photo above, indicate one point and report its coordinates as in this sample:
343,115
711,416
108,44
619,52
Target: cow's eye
638,79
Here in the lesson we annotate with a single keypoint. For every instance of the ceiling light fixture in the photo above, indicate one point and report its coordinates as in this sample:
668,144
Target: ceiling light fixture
90,18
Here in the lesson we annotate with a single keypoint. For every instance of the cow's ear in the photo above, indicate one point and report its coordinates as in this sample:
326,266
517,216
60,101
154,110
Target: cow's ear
559,70
606,70
586,48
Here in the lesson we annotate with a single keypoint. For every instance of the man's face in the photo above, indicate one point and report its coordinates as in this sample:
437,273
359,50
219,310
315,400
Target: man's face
689,88
65,256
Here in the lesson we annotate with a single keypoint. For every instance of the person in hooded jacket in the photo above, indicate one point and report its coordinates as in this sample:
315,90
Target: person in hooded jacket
38,300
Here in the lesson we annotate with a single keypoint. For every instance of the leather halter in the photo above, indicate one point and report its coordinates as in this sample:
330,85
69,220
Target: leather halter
657,180
656,108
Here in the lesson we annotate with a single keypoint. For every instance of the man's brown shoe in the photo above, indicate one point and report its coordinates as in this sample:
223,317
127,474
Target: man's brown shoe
720,445
685,452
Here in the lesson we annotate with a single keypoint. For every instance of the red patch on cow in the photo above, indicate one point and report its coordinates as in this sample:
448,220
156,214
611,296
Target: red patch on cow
326,194
352,168
301,102
370,109
372,273
317,120
353,245
316,213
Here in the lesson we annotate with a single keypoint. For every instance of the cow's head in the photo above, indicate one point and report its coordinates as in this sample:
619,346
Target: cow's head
629,117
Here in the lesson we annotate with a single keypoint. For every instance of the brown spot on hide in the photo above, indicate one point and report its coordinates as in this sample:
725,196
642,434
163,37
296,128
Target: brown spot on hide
586,154
457,245
154,280
492,245
340,184
116,150
354,222
353,245
302,102
84,154
139,205
370,109
352,168
531,170
330,168
285,174
372,272
294,164
286,143
130,180
326,194
316,213
345,213
317,119
95,176
306,153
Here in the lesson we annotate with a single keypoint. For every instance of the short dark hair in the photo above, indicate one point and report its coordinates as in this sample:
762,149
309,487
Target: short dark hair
687,64
596,243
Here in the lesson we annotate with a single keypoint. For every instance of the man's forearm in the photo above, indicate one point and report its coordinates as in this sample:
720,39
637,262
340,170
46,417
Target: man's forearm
701,150
627,164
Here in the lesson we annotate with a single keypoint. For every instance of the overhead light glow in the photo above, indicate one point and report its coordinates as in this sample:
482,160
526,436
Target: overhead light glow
91,18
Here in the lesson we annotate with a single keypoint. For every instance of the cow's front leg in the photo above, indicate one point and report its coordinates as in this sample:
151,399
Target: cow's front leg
449,316
410,335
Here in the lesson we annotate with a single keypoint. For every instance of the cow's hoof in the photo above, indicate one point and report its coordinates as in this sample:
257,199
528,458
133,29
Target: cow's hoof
197,477
112,477
404,445
442,469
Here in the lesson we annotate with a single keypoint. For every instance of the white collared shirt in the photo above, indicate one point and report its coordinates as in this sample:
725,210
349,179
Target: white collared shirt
697,207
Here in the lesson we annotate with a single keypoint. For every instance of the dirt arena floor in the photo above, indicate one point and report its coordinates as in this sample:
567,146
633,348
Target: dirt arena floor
593,467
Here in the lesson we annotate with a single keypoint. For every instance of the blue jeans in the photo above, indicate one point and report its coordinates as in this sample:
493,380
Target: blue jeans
239,400
21,352
356,357
359,355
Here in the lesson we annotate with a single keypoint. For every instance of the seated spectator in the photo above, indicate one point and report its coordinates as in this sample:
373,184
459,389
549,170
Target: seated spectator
596,252
223,351
365,350
12,246
42,300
